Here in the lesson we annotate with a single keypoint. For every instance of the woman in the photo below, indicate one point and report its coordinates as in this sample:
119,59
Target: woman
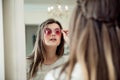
48,50
94,43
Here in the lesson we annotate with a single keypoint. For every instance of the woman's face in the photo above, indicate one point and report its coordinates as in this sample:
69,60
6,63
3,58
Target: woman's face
52,35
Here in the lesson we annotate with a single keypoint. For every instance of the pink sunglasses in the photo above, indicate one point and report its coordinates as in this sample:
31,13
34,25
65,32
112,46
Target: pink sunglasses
48,31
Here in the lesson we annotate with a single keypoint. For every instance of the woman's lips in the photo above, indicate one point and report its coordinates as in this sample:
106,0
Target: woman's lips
53,39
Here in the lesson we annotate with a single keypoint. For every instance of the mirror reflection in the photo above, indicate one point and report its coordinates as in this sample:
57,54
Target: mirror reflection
44,20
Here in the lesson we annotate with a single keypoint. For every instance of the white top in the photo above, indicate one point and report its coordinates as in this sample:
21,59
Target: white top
76,74
46,68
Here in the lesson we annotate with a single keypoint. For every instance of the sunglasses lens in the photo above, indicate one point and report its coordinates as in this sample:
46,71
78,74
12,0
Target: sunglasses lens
48,31
58,32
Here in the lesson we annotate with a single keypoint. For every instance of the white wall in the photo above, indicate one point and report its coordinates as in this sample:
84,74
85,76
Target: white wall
14,38
37,13
2,73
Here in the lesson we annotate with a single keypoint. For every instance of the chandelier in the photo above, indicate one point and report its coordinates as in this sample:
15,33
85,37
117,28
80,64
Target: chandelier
58,10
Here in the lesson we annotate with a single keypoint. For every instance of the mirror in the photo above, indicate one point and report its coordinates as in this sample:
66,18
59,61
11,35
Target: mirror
37,11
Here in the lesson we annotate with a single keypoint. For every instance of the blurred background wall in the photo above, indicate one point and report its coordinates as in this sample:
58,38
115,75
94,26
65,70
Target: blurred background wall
2,69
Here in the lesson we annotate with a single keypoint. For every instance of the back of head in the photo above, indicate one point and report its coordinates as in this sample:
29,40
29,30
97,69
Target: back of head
102,10
95,31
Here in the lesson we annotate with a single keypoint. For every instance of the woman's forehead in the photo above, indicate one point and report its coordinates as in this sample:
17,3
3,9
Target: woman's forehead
53,25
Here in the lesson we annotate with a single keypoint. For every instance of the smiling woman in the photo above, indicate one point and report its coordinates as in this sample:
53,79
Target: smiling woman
48,50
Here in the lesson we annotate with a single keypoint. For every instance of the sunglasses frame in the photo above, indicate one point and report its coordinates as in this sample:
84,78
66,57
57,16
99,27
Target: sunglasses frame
49,31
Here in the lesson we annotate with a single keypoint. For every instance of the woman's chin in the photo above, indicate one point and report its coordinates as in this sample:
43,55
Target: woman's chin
53,45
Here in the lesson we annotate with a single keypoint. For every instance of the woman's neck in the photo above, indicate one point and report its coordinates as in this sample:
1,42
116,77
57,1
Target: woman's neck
51,56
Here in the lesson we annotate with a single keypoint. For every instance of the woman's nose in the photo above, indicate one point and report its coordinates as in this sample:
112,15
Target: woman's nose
53,33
